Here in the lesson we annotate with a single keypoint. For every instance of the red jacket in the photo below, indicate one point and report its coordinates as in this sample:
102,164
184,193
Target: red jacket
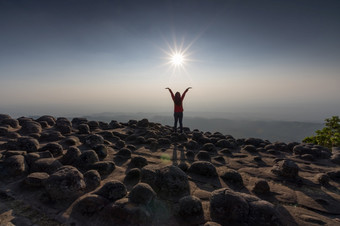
178,108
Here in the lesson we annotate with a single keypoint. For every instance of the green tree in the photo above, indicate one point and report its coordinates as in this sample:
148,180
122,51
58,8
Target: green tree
329,136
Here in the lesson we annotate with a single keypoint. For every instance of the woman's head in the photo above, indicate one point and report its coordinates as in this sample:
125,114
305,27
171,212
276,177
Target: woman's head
178,99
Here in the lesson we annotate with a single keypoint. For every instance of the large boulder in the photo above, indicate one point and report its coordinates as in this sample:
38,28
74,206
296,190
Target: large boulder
71,156
261,187
84,129
133,177
29,127
143,123
171,183
51,136
286,168
124,153
53,147
209,147
203,156
47,118
94,139
87,158
112,190
101,150
224,143
88,206
228,207
10,122
66,183
92,180
142,193
94,125
103,167
203,168
78,121
232,176
253,141
15,165
47,165
316,150
4,116
138,162
190,206
28,144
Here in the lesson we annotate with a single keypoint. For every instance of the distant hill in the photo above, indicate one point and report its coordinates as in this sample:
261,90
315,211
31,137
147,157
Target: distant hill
286,131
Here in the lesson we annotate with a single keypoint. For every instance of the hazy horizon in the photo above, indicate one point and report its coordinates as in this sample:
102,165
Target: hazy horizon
277,60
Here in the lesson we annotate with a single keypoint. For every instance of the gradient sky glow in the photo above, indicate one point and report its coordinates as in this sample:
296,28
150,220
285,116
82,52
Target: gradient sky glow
278,59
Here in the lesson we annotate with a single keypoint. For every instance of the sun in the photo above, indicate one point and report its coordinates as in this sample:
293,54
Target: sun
177,59
178,56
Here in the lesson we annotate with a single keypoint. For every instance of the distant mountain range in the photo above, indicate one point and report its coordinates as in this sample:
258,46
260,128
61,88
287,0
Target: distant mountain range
286,131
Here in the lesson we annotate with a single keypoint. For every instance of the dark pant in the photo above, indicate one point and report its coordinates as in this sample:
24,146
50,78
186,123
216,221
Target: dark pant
178,116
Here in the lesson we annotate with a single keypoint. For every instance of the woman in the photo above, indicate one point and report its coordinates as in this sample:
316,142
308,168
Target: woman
178,112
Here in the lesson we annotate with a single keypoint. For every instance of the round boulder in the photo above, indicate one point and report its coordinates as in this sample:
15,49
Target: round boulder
87,158
92,180
263,213
101,150
286,168
103,167
203,168
203,156
94,139
190,206
133,176
88,205
66,183
223,143
54,148
15,165
112,190
143,123
11,122
171,183
29,127
261,187
232,176
71,156
46,118
83,129
209,147
138,162
228,206
48,165
28,144
93,125
142,193
124,153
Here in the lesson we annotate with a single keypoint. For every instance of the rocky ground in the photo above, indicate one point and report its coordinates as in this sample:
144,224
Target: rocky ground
80,172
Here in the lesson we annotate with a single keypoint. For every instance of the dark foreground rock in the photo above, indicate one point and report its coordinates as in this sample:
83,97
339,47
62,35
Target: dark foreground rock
87,172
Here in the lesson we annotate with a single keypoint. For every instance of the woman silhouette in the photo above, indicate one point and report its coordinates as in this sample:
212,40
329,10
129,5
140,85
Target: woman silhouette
178,112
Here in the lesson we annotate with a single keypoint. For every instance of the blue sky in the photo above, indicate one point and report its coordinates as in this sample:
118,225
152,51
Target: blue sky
278,59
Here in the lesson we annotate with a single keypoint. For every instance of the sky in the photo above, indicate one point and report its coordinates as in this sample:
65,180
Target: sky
266,58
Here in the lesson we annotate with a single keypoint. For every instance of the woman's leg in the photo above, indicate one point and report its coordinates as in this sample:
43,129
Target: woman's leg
180,117
176,119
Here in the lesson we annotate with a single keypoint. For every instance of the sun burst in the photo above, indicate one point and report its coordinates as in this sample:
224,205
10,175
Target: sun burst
177,59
